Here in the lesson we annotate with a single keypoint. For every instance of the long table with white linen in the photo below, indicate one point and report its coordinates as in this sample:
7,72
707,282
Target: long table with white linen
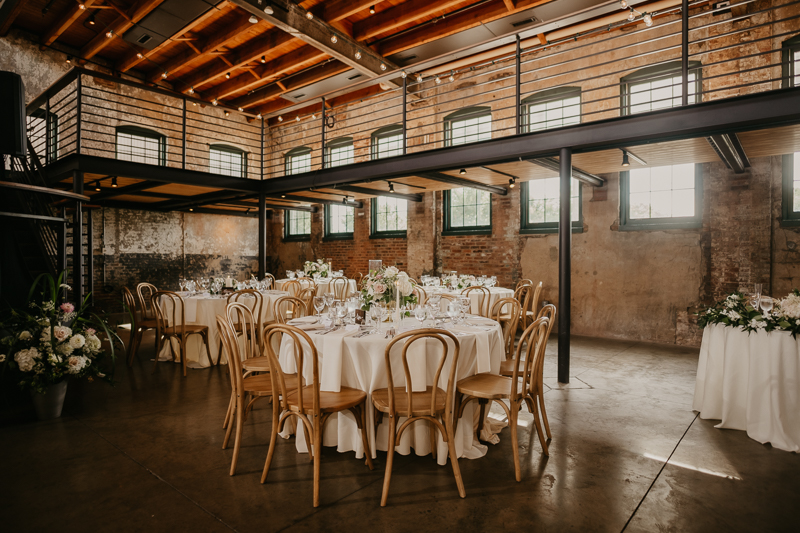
495,294
203,309
323,285
346,360
751,382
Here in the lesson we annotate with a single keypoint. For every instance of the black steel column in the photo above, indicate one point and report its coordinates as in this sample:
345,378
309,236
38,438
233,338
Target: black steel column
89,256
262,148
518,112
78,120
685,52
324,151
61,236
262,234
77,240
183,143
405,91
564,264
48,140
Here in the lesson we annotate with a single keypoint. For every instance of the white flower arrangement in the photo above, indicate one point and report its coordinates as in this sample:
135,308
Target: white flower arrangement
736,311
386,285
461,282
319,267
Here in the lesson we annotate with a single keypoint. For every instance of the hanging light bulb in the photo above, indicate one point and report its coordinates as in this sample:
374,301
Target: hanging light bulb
194,104
69,60
227,113
334,39
241,110
358,54
191,90
383,66
371,10
263,59
314,116
258,116
253,19
403,74
280,119
309,15
214,102
648,19
631,16
438,81
114,182
81,6
164,74
452,77
297,118
227,75
419,78
623,4
110,34
139,55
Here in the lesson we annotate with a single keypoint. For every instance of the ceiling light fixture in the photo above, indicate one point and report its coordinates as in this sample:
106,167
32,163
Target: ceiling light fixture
383,66
626,155
280,119
164,74
139,55
227,75
283,196
631,16
263,59
114,182
462,171
623,4
391,187
268,10
419,78
512,183
97,185
190,209
90,20
309,15
191,89
69,60
358,54
625,161
371,10
438,81
334,39
403,74
648,19
253,19
110,34
214,102
344,200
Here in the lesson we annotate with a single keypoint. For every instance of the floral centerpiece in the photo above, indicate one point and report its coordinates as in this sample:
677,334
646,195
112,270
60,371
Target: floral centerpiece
460,282
736,310
387,285
319,267
50,340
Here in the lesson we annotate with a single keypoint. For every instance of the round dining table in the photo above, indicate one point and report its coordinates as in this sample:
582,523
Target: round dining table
203,309
351,359
495,294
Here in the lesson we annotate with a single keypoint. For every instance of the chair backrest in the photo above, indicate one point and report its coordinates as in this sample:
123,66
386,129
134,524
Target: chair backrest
271,280
484,298
422,296
537,293
446,300
230,345
522,282
523,295
340,287
243,295
307,295
532,344
289,307
129,301
358,279
307,283
170,311
301,342
408,338
507,309
145,292
240,313
293,287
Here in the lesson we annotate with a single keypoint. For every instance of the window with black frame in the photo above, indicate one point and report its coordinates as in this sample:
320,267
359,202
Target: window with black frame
659,87
298,160
340,151
227,160
389,217
661,197
339,221
387,142
46,149
468,125
791,162
551,108
297,225
541,205
790,61
141,145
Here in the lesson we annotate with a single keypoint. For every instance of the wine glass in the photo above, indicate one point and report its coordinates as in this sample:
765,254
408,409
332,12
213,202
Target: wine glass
765,303
454,311
319,304
352,305
182,283
267,283
290,274
466,303
342,311
419,313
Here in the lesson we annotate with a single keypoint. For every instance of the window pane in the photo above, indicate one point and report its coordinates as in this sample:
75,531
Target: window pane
388,145
662,192
544,203
227,163
471,129
470,208
796,82
341,155
340,219
138,148
296,164
660,93
554,114
299,223
796,180
390,214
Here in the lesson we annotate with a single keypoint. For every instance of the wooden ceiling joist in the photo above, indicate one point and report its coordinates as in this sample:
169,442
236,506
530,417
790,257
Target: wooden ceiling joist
120,25
336,10
10,9
401,14
64,21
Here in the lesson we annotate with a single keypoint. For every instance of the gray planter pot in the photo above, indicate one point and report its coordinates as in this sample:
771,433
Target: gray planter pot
48,406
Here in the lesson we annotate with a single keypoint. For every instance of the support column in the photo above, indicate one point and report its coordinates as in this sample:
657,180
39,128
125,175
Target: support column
685,53
262,234
564,264
77,240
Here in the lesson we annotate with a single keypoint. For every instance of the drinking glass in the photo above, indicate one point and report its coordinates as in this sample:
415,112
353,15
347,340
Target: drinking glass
375,315
766,305
466,303
419,313
328,299
454,311
341,311
182,283
290,274
352,305
204,283
319,304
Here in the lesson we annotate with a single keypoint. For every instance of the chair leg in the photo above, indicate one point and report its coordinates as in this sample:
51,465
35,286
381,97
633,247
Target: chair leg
273,437
514,444
451,448
387,476
482,402
204,335
361,418
229,430
132,344
317,457
540,396
183,353
539,431
228,414
433,431
237,442
158,349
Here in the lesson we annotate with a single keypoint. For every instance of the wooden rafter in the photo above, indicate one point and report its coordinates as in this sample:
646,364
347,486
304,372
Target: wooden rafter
64,21
509,5
120,25
11,9
404,13
276,105
292,84
457,23
336,10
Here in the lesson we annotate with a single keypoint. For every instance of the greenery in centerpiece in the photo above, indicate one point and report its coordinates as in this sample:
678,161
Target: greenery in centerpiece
384,286
736,310
460,282
51,340
319,267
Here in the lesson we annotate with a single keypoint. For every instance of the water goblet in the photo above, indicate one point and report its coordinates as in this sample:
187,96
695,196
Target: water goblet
328,299
290,274
375,315
420,313
352,305
454,311
765,302
182,283
204,283
319,304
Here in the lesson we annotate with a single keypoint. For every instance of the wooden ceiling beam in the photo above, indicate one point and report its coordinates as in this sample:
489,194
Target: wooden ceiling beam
119,26
250,51
63,22
276,105
131,59
314,75
301,58
405,13
10,9
455,24
510,4
318,33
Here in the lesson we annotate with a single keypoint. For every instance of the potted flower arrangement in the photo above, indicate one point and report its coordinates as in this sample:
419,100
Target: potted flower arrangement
51,341
737,311
387,285
319,267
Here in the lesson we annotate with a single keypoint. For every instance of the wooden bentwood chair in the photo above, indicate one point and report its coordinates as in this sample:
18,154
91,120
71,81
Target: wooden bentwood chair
171,316
433,404
257,310
340,287
506,311
484,299
139,324
305,401
518,388
288,307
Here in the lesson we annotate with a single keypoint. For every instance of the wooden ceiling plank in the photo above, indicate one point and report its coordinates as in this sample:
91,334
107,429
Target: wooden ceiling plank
405,13
509,5
337,10
132,58
251,51
120,25
277,105
317,33
452,25
12,11
63,23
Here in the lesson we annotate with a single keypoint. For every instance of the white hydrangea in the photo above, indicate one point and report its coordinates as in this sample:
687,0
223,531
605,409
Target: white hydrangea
790,306
76,364
65,349
27,358
77,341
733,315
93,343
25,335
391,272
404,284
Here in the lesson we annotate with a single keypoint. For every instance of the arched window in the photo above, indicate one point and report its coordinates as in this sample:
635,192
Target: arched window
339,152
658,87
227,160
387,141
141,145
298,160
551,108
468,125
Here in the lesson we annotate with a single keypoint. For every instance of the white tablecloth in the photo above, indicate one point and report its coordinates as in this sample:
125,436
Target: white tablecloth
360,363
323,285
751,382
495,293
203,309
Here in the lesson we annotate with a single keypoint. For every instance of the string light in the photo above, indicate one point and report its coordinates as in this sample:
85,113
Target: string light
139,55
648,19
241,110
297,118
438,81
191,90
452,77
214,102
314,116
383,66
419,78
81,6
631,16
164,74
403,74
280,119
358,54
258,116
194,104
309,15
334,39
623,4
227,113
69,60
110,34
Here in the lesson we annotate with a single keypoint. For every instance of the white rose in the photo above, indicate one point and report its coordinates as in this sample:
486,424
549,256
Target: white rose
92,343
61,332
27,358
391,272
77,341
65,349
25,335
76,364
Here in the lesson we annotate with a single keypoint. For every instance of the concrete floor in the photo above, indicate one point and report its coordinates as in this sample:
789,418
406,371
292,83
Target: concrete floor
628,454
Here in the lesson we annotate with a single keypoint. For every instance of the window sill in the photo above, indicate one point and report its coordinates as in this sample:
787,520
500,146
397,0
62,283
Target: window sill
389,235
466,231
338,237
297,238
548,230
790,223
661,225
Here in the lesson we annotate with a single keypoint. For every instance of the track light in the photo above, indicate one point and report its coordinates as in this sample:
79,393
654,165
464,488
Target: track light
263,59
631,16
309,15
90,20
139,55
214,102
344,200
97,185
383,66
268,10
391,187
403,74
114,182
69,60
625,161
371,10
334,39
512,183
280,119
452,77
623,4
191,89
227,75
648,19
110,34
358,54
462,171
253,19
164,74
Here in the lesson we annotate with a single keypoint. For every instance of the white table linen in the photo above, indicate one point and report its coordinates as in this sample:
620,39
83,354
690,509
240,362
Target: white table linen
751,382
323,285
203,309
360,363
495,294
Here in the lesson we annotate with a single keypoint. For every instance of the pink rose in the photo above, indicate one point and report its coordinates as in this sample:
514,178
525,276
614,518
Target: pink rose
90,331
379,288
67,307
61,332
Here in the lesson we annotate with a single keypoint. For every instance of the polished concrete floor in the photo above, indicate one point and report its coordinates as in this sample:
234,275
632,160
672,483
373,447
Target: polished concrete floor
628,454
